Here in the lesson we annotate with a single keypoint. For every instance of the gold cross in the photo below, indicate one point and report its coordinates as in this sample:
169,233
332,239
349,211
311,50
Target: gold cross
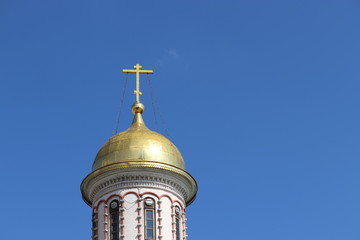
137,70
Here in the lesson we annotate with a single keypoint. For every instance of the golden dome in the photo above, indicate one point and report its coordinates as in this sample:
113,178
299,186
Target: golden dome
138,144
138,151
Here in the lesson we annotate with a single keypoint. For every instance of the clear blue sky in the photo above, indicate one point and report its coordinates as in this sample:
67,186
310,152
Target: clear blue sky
261,97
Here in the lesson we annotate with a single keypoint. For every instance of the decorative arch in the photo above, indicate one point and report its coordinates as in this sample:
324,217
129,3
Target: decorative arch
149,193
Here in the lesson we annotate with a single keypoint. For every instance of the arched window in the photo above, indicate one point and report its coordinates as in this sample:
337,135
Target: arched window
177,223
149,213
114,220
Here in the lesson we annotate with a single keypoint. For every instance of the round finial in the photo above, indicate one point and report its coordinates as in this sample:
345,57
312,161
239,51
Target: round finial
137,107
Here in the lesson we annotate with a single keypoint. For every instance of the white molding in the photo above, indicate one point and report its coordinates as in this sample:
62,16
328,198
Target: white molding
138,178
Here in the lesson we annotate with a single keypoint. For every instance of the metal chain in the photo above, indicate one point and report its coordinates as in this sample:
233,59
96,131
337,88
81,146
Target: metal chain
117,121
153,102
156,108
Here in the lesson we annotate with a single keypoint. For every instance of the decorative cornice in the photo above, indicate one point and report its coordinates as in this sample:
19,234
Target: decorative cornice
127,182
166,176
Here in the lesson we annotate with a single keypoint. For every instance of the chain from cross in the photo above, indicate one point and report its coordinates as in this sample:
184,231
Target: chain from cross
137,71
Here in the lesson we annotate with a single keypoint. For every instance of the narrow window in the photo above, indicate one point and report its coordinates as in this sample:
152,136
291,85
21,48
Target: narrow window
177,223
94,225
114,220
149,219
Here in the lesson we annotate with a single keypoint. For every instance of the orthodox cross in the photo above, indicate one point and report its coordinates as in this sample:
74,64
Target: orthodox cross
137,70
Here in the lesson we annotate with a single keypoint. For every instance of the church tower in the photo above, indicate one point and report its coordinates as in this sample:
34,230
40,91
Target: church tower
138,188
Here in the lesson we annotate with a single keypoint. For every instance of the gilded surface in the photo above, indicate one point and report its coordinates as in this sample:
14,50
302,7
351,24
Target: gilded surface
138,143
